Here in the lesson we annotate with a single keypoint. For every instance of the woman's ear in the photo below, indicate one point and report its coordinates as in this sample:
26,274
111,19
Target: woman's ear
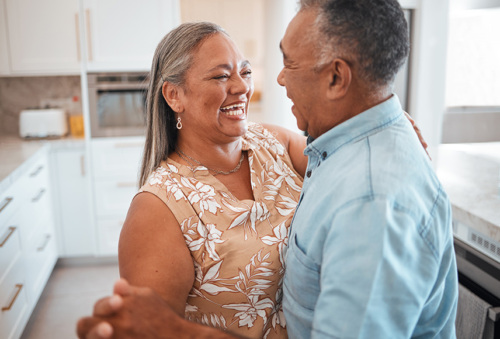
339,77
171,93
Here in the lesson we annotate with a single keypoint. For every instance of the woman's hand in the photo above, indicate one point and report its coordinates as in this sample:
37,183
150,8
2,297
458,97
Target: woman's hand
419,134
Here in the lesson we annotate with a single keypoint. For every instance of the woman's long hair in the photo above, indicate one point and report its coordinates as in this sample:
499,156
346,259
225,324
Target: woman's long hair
171,60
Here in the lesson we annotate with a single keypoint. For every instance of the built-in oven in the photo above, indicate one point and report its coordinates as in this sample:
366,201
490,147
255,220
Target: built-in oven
478,262
117,104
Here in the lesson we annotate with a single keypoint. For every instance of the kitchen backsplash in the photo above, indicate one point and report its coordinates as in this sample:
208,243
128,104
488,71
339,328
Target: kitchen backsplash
18,93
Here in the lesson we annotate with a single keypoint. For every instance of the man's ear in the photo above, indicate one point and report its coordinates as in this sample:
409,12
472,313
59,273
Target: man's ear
171,93
339,77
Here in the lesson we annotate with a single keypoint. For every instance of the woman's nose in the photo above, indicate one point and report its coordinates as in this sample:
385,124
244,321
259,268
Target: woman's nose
241,85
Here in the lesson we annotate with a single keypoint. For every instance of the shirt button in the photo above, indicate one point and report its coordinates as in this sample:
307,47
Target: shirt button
309,174
324,155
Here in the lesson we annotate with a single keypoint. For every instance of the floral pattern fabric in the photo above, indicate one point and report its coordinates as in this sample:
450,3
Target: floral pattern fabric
237,245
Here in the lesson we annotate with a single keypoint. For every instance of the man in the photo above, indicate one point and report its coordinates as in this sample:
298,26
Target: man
370,250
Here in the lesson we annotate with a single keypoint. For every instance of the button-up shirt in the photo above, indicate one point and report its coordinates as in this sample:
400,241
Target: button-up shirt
370,251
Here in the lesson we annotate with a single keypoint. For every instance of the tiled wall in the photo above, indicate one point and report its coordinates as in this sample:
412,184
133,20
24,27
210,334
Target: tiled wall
18,93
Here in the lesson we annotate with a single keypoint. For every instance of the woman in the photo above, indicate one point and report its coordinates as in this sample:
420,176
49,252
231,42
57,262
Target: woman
208,228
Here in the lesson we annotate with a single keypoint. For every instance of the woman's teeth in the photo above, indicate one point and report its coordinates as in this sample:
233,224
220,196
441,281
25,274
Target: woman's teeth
233,109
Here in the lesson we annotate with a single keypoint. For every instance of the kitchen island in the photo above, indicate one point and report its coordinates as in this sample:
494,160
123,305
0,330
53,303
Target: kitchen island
470,174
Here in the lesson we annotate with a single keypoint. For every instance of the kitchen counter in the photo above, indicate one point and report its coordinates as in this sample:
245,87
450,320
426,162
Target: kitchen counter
17,155
470,174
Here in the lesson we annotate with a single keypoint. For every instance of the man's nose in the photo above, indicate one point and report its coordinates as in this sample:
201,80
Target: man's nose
281,78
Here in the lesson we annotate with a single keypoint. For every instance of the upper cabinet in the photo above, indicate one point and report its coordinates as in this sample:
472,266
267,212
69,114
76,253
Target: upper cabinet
52,37
122,35
43,36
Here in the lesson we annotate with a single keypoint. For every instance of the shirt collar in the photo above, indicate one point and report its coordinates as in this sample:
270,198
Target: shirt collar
354,128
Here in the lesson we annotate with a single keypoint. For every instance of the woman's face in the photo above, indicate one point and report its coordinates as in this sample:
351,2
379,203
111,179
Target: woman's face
216,93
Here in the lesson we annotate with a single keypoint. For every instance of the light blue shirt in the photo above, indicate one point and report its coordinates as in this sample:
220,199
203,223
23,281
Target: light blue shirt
370,252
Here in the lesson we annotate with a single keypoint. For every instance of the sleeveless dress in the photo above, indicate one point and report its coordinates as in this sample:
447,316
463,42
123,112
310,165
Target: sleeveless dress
237,246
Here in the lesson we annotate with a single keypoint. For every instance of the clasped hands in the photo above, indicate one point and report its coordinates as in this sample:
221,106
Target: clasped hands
131,312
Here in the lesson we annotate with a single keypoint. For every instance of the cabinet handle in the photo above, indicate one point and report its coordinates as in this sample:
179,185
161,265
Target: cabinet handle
45,242
5,202
7,235
35,172
89,36
82,165
125,184
7,308
39,195
77,26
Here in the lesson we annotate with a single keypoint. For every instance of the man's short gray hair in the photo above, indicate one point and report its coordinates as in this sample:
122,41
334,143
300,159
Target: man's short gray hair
370,33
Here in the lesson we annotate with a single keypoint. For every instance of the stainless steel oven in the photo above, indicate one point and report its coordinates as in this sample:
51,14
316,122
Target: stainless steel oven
117,104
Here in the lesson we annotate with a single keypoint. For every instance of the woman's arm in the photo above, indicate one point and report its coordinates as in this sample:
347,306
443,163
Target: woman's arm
295,145
152,251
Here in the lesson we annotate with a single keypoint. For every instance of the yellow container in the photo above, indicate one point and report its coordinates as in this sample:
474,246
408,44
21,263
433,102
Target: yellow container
76,126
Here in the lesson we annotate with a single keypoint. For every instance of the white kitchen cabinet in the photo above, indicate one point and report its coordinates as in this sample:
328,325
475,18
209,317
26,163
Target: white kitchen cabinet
115,167
13,297
242,19
76,236
37,229
43,36
27,244
4,45
122,35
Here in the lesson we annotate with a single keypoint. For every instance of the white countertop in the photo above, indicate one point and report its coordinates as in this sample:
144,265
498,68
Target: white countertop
470,174
17,154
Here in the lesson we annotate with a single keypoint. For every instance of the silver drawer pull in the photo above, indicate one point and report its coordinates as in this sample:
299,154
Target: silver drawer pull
45,242
5,202
19,288
35,172
125,184
6,236
39,195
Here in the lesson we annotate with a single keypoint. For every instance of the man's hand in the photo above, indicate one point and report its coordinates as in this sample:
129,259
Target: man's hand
132,312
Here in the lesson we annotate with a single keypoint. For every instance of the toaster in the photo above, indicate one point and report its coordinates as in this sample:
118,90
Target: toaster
43,123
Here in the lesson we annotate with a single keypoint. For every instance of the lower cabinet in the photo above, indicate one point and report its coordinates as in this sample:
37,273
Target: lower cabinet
71,182
115,169
28,249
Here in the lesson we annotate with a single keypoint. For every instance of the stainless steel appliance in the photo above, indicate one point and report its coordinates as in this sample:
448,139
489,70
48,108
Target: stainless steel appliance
117,104
478,262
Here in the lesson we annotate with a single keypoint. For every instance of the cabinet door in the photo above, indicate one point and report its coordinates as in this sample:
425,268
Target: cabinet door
242,19
122,35
4,51
43,36
71,192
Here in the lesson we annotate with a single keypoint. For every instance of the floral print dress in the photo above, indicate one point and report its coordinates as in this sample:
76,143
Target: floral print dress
237,245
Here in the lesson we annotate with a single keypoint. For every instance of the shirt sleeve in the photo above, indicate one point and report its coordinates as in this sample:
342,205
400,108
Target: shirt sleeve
376,273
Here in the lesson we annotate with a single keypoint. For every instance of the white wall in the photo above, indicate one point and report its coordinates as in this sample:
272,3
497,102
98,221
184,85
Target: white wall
428,70
276,107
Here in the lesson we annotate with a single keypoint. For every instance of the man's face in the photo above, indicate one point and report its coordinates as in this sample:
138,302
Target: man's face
301,81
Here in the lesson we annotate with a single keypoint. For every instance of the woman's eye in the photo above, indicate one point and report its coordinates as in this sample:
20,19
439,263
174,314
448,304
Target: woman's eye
247,73
223,76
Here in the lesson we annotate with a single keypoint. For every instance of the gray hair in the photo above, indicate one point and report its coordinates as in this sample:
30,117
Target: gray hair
172,59
373,34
